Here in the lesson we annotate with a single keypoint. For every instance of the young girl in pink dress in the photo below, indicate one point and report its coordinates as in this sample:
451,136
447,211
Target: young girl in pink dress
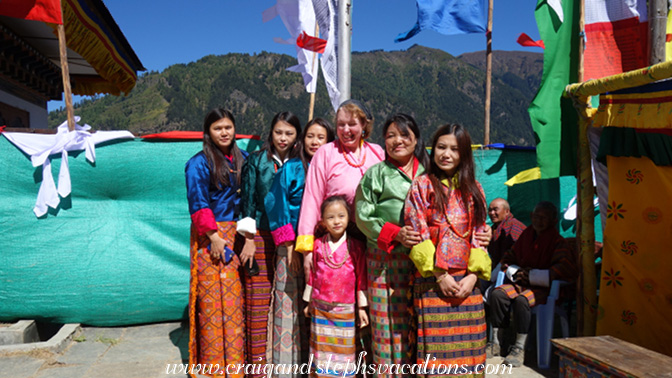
336,293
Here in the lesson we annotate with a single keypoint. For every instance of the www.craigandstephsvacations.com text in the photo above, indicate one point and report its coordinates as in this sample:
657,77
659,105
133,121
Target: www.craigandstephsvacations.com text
344,369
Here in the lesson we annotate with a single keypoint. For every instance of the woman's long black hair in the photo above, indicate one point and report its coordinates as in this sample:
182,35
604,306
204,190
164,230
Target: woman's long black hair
465,172
331,135
406,124
219,167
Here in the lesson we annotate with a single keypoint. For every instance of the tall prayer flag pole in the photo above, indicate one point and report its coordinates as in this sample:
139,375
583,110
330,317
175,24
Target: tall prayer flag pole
65,72
311,106
488,74
657,30
344,42
587,310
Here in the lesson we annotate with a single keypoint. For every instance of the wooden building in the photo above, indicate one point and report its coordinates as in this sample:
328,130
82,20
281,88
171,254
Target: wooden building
100,61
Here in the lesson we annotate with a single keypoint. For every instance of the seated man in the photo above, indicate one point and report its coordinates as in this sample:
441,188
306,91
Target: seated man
539,256
505,229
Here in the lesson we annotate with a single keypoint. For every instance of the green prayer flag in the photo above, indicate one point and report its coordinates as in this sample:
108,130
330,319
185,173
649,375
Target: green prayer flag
554,119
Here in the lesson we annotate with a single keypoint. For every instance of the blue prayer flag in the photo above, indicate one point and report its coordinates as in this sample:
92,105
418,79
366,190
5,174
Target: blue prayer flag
449,17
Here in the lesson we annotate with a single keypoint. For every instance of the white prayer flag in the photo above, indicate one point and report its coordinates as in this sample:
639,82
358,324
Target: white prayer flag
326,15
298,17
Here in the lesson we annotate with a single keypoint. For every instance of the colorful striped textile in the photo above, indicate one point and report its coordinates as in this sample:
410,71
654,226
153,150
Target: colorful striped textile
216,325
389,277
512,293
258,299
332,338
452,330
290,329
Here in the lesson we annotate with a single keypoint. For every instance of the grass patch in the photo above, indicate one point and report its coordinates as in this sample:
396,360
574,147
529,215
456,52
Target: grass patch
107,340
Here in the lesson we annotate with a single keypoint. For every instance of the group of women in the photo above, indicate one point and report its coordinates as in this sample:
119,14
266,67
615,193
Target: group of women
278,237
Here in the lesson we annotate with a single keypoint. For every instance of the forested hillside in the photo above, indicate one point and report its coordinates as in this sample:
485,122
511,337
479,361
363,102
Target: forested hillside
430,84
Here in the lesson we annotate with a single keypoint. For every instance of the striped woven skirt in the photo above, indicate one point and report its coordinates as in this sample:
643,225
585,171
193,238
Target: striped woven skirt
452,330
290,327
258,300
389,277
216,325
332,340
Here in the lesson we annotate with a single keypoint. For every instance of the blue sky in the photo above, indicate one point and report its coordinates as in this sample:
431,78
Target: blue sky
169,32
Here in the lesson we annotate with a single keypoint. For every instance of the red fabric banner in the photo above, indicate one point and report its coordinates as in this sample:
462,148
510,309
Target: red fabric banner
37,10
615,47
311,43
527,41
190,135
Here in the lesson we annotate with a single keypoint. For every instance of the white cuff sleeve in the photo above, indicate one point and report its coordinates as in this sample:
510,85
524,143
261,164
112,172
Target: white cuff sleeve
246,225
307,292
361,299
539,277
510,271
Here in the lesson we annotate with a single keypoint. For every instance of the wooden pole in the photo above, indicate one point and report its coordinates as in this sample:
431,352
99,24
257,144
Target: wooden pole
657,30
311,107
587,300
488,75
65,72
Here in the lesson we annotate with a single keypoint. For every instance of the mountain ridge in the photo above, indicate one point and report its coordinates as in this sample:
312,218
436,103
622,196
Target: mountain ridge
430,84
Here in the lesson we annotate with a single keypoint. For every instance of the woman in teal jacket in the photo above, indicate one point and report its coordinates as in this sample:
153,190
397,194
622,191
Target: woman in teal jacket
259,250
282,205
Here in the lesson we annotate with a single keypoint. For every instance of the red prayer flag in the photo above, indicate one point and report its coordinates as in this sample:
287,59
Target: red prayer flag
311,43
37,10
525,40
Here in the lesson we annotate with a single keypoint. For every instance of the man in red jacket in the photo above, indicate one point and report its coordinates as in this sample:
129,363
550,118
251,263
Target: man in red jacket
539,256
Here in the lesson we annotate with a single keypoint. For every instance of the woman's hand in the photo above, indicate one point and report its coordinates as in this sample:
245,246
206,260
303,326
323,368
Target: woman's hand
247,254
447,284
217,245
483,237
408,237
466,285
363,317
235,262
293,258
306,311
308,264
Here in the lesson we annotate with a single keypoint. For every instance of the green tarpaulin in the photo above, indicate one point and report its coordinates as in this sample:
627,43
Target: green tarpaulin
116,251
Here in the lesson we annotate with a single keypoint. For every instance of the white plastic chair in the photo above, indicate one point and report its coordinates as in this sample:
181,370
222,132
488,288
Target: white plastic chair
544,315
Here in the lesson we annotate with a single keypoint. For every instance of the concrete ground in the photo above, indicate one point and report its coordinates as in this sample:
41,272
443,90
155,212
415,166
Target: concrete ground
143,351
